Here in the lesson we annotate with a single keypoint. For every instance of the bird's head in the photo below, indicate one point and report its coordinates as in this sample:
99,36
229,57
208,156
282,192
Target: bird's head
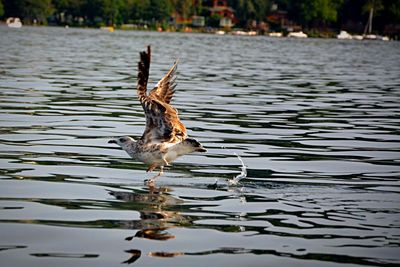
124,141
196,146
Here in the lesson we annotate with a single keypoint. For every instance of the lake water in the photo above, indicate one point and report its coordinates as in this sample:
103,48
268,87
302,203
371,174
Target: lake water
316,122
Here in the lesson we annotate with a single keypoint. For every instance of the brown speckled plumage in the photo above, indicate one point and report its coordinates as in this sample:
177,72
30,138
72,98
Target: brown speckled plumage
164,138
162,122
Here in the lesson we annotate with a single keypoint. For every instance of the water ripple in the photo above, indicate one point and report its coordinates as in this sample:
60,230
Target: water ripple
316,123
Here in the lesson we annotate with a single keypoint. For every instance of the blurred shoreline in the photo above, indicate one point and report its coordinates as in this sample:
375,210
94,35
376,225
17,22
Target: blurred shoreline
327,34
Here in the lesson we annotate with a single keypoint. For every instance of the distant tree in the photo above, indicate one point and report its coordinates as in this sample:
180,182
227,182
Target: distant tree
1,9
310,13
199,8
262,8
110,11
246,10
351,11
184,7
30,10
71,7
319,11
159,10
139,9
394,10
376,5
92,10
213,21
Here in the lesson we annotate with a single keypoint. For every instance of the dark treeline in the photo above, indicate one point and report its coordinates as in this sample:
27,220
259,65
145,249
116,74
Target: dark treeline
307,14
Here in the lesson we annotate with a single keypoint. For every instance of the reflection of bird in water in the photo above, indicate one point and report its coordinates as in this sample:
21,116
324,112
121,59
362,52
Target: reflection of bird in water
164,138
153,234
135,255
154,221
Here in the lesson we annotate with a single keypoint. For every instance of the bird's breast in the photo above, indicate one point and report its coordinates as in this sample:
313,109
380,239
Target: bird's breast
171,155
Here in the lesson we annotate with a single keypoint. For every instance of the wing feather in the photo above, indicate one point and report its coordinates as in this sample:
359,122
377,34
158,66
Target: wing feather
143,74
162,121
165,88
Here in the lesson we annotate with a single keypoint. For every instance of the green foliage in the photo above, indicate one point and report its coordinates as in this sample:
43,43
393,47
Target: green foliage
213,21
320,11
139,9
312,14
394,10
1,9
69,6
250,10
159,10
29,10
373,4
111,11
183,7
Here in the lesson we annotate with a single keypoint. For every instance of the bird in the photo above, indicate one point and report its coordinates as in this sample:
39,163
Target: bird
165,137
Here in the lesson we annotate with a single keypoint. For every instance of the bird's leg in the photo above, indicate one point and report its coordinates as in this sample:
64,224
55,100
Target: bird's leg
165,161
150,182
161,171
152,167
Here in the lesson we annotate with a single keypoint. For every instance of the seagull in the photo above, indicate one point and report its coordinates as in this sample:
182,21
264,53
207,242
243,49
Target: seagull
164,138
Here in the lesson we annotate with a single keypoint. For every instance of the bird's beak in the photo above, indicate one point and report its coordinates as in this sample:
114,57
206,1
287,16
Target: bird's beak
112,141
201,149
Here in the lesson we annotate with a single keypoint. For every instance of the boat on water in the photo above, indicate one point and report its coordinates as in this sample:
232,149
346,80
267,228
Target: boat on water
299,34
14,22
244,33
375,37
357,37
367,35
368,29
275,34
344,35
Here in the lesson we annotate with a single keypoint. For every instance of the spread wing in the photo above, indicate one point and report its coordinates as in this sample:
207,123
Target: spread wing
162,121
165,88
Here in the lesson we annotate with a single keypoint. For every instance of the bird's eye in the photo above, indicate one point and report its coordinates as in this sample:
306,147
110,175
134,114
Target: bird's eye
122,140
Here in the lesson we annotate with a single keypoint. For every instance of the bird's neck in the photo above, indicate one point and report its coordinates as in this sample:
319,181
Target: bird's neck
131,148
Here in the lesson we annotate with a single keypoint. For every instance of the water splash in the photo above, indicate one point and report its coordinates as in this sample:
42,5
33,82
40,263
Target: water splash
241,175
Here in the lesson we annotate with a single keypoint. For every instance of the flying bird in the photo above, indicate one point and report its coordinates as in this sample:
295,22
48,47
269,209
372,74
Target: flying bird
164,138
